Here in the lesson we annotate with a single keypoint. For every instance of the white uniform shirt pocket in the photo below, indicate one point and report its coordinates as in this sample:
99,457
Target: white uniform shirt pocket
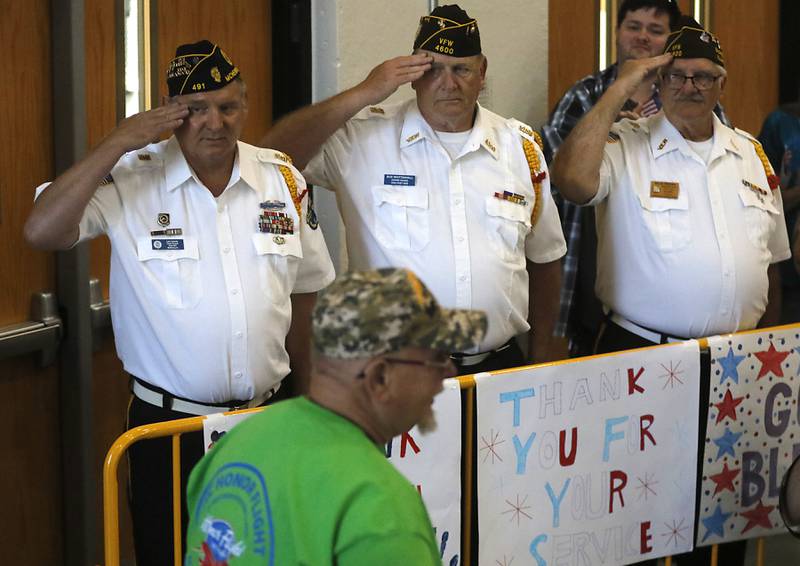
759,216
401,217
278,258
507,225
175,270
667,220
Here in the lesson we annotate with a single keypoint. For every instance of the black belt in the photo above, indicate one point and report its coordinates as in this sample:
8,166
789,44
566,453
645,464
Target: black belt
466,360
648,334
161,398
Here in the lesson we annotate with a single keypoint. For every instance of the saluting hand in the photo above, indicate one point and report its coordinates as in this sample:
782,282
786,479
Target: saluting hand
384,79
147,127
636,71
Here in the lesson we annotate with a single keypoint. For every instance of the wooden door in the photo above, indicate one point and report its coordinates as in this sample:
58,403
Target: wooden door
29,414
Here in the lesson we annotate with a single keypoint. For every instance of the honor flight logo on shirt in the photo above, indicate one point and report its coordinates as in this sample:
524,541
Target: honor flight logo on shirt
232,520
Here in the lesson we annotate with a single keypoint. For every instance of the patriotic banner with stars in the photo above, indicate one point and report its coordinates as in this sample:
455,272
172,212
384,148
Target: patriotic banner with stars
432,463
753,434
589,462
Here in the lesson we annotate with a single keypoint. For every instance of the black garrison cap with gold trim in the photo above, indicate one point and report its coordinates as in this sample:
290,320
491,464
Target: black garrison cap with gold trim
450,31
199,67
691,41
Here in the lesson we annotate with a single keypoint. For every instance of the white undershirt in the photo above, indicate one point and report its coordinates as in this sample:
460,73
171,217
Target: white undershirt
453,142
702,148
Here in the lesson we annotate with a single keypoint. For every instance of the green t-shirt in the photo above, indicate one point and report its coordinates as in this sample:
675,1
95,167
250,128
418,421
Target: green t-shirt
299,484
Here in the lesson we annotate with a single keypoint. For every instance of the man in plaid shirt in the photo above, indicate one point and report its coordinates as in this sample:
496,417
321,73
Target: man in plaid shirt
642,30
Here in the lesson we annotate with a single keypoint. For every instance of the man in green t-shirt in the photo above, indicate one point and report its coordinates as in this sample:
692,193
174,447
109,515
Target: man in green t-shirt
307,481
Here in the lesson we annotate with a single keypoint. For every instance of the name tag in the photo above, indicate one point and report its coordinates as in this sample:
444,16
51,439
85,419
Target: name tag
167,244
664,189
400,180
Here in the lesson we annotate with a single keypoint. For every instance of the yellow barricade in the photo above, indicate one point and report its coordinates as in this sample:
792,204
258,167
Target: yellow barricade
177,427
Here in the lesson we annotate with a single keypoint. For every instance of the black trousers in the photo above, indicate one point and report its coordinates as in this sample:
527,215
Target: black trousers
510,357
614,338
150,487
150,483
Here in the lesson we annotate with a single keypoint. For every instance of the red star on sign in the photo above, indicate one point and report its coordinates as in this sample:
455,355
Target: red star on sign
771,361
724,479
727,407
757,516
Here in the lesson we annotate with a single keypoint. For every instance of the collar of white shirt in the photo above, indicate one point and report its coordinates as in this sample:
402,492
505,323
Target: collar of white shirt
177,169
416,128
665,138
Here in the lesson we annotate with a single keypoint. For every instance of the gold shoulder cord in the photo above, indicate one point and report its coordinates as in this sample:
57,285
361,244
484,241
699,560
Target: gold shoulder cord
537,176
291,183
771,177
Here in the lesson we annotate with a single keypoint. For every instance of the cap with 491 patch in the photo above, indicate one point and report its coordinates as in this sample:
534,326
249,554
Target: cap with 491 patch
199,67
368,313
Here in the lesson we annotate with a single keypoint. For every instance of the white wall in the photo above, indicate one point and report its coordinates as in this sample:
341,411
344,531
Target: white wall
362,33
350,37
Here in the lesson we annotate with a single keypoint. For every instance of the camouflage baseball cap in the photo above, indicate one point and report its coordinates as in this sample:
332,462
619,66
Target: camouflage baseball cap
367,313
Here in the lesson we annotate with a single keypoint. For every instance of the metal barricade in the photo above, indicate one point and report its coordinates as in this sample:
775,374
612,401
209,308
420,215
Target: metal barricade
178,427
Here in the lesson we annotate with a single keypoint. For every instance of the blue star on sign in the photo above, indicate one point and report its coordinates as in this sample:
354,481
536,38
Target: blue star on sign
715,523
726,443
729,366
798,366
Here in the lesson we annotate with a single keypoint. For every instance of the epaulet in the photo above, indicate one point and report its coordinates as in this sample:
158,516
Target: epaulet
107,180
143,158
773,180
747,135
526,132
375,111
266,155
530,139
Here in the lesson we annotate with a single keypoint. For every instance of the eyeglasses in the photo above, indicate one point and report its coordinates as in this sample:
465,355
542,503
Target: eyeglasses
701,81
441,365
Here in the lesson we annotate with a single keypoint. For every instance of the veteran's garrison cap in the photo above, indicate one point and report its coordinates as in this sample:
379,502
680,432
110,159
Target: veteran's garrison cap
199,67
691,41
368,313
450,31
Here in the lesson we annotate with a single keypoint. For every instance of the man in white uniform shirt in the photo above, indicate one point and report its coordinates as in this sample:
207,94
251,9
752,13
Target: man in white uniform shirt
216,260
441,186
689,215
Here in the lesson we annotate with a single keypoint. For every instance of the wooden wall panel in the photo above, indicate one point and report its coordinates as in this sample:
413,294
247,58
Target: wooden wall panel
748,32
27,156
101,109
572,45
242,29
110,393
31,487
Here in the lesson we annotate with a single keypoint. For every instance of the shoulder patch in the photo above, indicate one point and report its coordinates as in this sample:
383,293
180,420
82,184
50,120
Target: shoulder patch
107,180
613,137
773,179
311,214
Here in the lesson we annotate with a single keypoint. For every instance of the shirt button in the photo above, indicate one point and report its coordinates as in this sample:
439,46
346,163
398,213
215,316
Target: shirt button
457,201
226,249
238,375
239,334
234,291
461,238
463,278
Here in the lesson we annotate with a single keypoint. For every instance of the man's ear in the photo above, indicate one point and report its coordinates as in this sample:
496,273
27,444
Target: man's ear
377,381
